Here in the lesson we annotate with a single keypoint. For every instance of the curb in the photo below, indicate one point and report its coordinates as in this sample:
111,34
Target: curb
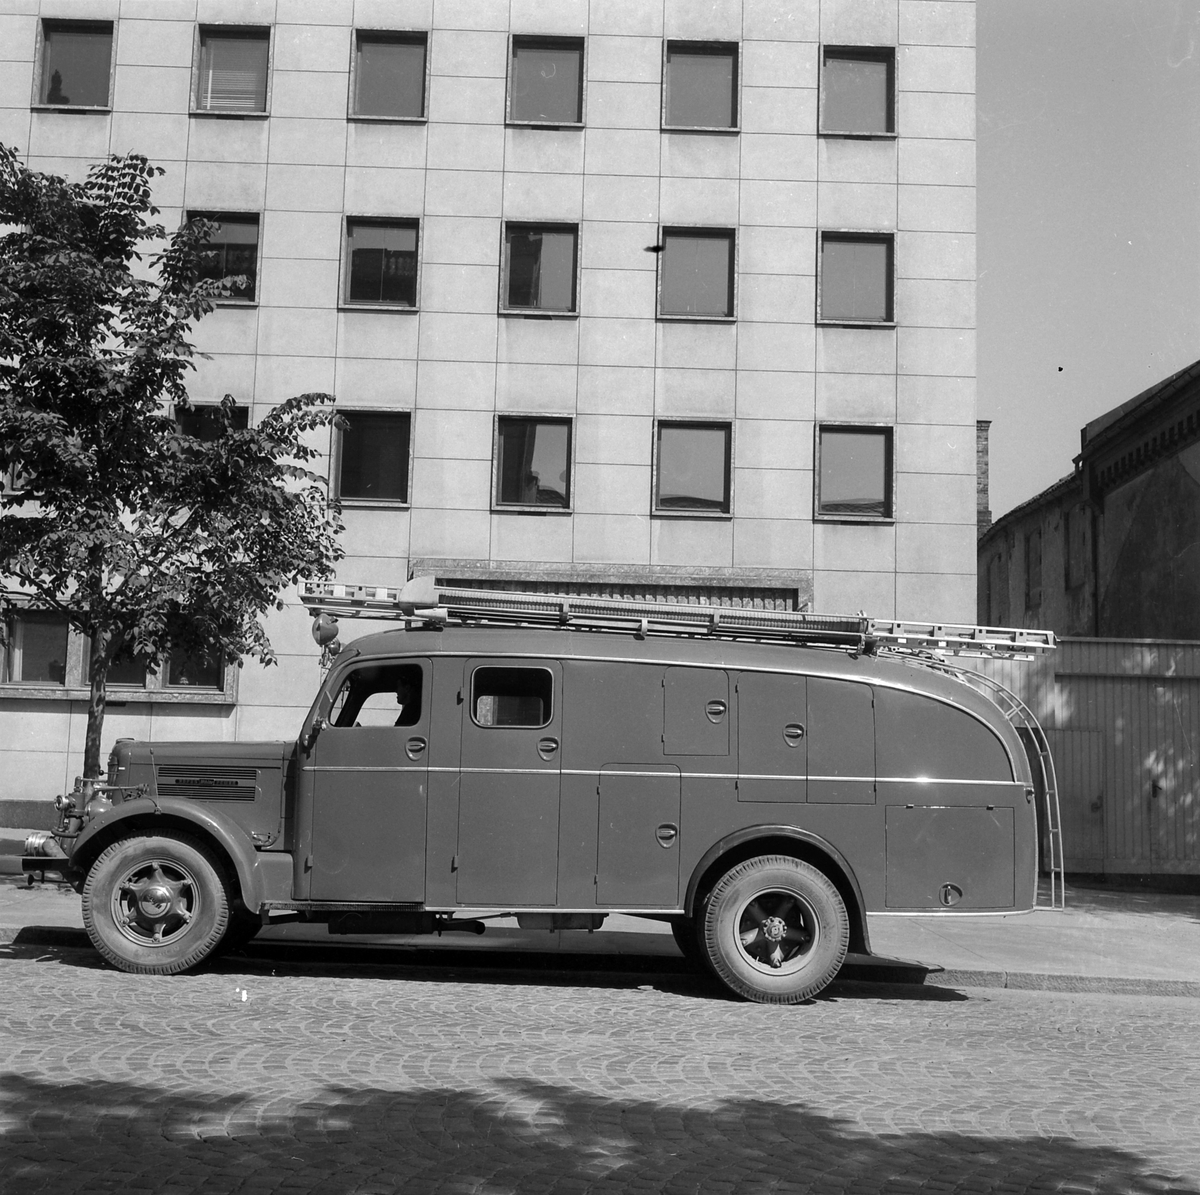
67,937
1037,981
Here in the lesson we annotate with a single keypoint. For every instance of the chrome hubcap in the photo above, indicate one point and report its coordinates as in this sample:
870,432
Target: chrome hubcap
155,902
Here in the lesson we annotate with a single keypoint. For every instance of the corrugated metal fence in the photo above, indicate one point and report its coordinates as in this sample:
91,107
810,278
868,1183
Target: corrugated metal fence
1123,720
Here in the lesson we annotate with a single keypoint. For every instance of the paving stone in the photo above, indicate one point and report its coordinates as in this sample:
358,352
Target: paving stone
358,1083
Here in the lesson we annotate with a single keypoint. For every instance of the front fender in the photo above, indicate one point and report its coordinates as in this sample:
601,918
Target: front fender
147,812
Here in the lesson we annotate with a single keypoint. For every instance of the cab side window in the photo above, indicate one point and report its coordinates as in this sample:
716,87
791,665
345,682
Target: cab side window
512,696
379,695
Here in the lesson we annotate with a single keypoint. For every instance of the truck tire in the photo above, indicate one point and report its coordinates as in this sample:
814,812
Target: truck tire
156,904
775,930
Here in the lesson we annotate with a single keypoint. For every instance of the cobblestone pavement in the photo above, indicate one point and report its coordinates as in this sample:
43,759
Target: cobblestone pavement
332,1078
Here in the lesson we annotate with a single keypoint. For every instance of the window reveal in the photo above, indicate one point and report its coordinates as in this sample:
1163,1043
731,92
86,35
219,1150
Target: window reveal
231,253
76,64
855,471
540,267
697,273
373,456
857,91
233,70
36,649
856,278
533,466
389,75
693,467
701,86
545,84
381,262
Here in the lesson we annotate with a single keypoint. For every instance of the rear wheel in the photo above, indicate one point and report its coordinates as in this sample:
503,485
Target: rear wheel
156,904
775,930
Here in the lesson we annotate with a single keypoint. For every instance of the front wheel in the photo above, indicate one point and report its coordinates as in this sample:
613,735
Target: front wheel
775,930
156,904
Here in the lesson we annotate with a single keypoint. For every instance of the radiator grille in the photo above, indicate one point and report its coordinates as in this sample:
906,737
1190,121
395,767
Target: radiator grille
208,782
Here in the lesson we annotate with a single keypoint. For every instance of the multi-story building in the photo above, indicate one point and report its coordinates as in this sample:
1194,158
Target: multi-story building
1113,549
617,296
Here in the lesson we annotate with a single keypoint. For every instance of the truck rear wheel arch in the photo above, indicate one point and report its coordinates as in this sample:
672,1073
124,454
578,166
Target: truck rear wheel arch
238,870
781,840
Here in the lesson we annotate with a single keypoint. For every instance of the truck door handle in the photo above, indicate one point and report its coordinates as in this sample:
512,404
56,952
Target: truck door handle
715,710
415,746
666,834
793,733
546,747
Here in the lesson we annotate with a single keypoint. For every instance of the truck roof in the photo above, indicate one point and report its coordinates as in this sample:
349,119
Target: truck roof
893,671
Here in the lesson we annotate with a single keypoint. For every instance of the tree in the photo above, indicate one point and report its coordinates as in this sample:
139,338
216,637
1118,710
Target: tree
148,540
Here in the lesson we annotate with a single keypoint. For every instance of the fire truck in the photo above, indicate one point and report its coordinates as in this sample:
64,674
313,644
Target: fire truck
759,780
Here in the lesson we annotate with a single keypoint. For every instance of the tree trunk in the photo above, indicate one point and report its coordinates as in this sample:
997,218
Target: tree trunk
98,660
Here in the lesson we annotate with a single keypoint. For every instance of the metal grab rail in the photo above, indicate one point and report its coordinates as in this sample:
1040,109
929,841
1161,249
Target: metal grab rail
1040,760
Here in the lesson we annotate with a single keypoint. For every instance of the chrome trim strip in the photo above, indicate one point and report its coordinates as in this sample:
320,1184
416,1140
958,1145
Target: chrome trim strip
609,771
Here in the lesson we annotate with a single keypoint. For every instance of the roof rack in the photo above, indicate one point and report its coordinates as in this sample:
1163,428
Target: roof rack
423,601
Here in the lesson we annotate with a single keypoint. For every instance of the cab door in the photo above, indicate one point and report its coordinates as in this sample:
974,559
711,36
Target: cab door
366,778
509,793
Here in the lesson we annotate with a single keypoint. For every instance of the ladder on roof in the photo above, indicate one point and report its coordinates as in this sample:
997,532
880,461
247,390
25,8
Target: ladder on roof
422,601
1041,762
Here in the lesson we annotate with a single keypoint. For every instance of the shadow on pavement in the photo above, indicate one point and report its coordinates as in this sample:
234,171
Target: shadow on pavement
673,976
514,1135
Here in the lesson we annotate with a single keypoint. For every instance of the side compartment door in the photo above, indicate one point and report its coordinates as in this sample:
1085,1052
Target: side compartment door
367,775
772,737
841,742
695,711
509,793
638,857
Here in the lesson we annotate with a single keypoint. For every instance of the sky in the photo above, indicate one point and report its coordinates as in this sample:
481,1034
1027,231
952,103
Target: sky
1089,219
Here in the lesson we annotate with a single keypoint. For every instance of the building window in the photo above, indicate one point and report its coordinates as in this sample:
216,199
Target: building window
202,421
858,91
381,262
533,462
1033,570
194,670
233,69
700,85
389,75
39,650
856,283
697,273
995,613
1075,546
692,468
540,267
76,64
231,254
854,472
35,649
545,84
373,456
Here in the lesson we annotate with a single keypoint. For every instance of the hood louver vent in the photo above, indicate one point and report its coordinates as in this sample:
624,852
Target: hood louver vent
207,782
